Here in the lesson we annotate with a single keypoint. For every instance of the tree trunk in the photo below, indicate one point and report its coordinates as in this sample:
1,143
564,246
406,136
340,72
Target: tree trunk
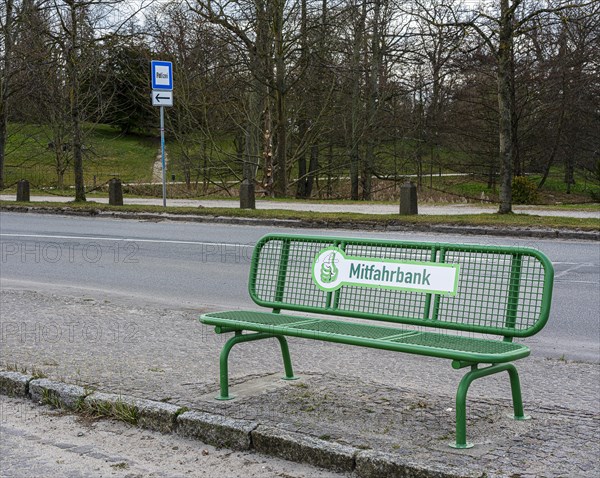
491,182
5,85
73,75
356,103
268,149
301,185
257,97
279,166
312,169
562,92
557,138
257,100
303,121
329,170
518,167
3,138
60,180
505,107
252,133
77,153
569,170
373,86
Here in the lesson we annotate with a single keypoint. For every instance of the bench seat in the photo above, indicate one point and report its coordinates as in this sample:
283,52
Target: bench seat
432,344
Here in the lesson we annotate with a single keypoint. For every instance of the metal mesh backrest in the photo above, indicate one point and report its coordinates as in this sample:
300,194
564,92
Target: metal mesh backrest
501,290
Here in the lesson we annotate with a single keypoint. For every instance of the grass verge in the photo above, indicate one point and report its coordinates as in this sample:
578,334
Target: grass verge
331,219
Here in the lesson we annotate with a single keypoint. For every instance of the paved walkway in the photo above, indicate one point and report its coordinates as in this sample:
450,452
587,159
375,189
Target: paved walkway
361,208
398,404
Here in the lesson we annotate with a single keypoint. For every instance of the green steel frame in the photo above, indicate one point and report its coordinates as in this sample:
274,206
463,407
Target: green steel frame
463,388
503,291
239,337
513,270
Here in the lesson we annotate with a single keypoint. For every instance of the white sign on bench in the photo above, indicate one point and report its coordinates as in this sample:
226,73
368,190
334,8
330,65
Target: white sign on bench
332,269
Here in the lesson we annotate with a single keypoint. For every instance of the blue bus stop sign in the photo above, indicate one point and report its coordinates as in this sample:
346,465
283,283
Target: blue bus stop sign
162,75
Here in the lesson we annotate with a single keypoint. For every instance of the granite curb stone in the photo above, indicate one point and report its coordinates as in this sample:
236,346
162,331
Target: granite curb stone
304,449
374,464
152,415
47,391
240,434
216,430
15,384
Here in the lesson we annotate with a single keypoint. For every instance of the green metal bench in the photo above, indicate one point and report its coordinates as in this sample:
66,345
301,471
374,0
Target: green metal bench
450,298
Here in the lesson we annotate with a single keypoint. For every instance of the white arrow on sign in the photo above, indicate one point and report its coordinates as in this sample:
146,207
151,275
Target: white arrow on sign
162,98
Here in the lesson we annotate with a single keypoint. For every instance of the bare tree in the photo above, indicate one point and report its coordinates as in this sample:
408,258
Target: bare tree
80,27
6,87
247,24
499,26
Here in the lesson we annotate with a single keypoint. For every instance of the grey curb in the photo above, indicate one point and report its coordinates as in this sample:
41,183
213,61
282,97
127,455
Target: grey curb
15,384
157,416
46,391
317,224
301,448
216,430
221,431
374,464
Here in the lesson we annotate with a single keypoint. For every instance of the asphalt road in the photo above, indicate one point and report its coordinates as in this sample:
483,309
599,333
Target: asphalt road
205,267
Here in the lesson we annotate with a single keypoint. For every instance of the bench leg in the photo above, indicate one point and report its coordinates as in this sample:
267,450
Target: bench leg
461,398
287,360
239,338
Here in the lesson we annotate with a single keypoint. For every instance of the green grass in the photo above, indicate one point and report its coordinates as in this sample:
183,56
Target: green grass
467,186
107,154
335,219
51,398
131,157
128,157
553,192
125,412
119,410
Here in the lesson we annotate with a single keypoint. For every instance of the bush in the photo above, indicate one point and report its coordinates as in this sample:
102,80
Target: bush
524,190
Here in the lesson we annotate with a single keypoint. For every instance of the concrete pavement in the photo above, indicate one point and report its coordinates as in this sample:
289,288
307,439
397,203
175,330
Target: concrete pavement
379,413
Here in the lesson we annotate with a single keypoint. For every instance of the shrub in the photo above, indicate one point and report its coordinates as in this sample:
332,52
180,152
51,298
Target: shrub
524,190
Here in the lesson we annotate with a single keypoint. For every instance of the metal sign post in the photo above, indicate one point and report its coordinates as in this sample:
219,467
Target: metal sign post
162,152
162,95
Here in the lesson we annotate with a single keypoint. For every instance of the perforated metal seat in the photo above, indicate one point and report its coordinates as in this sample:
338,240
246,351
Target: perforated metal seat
442,345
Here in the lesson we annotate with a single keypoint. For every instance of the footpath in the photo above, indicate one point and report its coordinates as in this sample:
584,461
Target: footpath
424,209
361,412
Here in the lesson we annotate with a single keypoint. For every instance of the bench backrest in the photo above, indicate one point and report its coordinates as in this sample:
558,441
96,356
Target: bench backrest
504,291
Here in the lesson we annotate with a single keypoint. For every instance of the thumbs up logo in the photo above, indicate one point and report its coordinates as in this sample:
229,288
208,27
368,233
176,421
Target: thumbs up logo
329,271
